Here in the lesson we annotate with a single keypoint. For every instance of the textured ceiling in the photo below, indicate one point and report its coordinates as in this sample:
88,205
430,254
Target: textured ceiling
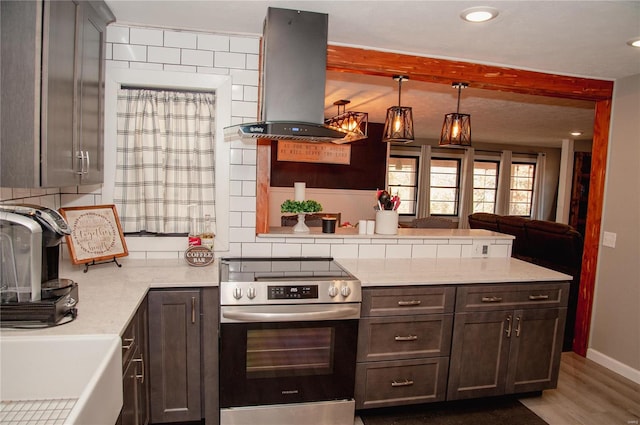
580,38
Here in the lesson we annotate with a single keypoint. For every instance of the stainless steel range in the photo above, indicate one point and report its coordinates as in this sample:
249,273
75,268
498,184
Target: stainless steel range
288,338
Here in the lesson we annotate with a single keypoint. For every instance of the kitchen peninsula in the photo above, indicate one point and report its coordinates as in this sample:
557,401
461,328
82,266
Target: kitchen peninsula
112,298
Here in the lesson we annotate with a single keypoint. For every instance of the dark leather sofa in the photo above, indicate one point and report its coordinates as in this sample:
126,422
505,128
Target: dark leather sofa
549,244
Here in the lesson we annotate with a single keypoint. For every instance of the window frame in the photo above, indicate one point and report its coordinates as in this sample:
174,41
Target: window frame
458,160
416,182
495,161
522,161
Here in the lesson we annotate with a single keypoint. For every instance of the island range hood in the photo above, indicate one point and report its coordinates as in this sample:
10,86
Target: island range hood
292,81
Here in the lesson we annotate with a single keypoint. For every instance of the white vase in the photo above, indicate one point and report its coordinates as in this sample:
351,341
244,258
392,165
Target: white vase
301,227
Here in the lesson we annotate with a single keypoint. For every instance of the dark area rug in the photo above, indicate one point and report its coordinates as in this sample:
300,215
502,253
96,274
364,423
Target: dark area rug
498,411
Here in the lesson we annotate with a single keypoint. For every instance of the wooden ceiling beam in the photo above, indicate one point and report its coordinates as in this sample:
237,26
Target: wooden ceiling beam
479,76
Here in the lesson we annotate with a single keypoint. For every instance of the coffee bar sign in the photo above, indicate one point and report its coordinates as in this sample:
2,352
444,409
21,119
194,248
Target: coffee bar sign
328,153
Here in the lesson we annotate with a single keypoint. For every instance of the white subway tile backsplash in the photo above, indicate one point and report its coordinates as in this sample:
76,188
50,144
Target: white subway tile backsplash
344,251
213,42
147,65
117,34
128,52
449,251
236,156
108,51
248,188
180,68
242,203
244,109
150,37
237,92
256,250
249,156
424,251
242,234
499,251
235,188
248,219
315,250
246,77
186,40
166,55
242,172
250,94
230,60
244,44
372,251
398,251
235,220
70,200
197,57
287,249
252,62
216,71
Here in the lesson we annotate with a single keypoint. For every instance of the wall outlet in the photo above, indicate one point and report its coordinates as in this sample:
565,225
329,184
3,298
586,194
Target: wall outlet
609,239
480,249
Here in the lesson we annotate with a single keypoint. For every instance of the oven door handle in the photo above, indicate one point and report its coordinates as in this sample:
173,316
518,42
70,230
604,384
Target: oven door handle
289,313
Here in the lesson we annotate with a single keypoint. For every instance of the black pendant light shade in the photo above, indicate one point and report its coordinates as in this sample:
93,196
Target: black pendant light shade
355,123
398,126
456,129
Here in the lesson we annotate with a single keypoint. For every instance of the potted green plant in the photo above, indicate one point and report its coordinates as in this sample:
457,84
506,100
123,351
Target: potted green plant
301,208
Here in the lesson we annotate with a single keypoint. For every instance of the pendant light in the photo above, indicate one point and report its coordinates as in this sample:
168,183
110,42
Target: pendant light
456,129
353,122
398,127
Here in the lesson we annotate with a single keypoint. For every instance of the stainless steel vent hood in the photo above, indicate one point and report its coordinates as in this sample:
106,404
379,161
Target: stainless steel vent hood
292,81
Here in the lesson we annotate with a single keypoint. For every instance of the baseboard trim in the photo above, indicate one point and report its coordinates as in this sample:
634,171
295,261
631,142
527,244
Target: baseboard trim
614,365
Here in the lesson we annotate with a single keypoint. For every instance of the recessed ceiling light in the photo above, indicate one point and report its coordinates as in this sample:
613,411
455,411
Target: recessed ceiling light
634,42
576,133
479,14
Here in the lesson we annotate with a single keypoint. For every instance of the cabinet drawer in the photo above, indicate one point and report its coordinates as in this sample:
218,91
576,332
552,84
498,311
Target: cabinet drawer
404,337
511,296
408,300
380,384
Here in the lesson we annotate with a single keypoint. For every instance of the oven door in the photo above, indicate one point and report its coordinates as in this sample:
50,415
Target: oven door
287,362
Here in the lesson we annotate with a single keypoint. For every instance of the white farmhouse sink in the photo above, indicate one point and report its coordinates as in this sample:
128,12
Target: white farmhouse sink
87,368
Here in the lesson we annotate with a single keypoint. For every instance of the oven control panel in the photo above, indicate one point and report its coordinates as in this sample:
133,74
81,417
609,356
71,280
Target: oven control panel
289,292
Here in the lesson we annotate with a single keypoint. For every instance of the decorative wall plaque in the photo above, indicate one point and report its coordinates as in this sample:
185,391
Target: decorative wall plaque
96,234
327,153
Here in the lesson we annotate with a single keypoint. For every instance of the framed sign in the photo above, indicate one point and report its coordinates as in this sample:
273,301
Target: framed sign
96,234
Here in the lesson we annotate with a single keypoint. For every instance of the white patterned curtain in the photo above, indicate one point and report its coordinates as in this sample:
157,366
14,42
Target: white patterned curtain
504,183
537,204
424,182
165,159
466,190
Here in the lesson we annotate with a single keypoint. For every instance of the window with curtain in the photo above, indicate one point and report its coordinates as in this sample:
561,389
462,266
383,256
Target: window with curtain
403,181
521,188
485,185
165,160
445,186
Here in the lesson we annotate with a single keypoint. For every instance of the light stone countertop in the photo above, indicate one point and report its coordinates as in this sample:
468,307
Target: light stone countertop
110,295
443,271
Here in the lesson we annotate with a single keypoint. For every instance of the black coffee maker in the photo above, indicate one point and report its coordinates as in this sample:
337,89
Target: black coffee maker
30,288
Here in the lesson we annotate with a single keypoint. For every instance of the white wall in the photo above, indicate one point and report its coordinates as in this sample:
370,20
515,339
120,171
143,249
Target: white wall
615,325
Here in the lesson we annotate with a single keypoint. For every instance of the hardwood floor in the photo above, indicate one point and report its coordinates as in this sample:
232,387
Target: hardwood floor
587,394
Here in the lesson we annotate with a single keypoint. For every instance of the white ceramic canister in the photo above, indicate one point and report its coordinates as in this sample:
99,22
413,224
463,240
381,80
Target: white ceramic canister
386,222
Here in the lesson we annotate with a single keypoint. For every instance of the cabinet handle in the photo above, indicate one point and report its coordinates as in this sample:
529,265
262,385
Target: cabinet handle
88,163
491,299
409,303
130,342
538,297
406,338
517,326
80,156
193,309
508,331
141,376
405,383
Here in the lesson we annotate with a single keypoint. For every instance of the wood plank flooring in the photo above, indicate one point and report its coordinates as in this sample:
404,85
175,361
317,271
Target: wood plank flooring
587,394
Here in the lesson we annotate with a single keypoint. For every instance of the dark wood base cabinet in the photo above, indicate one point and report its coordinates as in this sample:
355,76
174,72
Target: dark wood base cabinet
415,347
183,349
135,386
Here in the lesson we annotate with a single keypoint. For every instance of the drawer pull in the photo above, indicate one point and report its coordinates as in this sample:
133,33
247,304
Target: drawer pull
405,383
491,299
538,297
409,303
406,338
130,342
